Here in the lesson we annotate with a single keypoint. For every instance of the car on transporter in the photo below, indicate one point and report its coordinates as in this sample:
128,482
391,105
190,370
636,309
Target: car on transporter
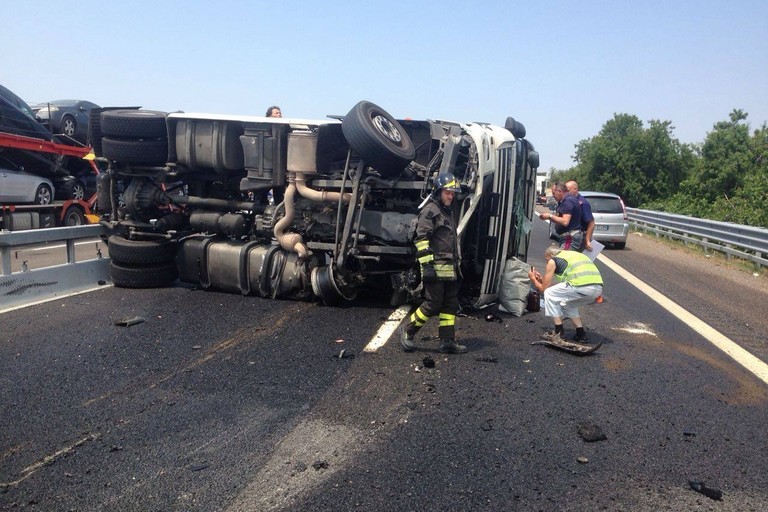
189,199
71,176
22,187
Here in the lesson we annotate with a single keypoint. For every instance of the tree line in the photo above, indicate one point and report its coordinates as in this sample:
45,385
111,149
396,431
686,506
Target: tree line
724,178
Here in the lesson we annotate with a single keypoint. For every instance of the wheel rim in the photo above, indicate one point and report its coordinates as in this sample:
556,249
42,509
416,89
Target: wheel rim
324,286
387,129
69,126
43,195
78,192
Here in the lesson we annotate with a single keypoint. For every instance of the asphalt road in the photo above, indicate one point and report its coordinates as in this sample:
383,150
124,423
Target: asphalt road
222,402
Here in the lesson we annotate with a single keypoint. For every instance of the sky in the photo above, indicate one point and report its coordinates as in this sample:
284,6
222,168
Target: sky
562,68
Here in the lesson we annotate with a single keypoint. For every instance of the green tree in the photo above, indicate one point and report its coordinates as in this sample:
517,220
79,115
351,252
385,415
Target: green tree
744,198
638,164
729,179
726,158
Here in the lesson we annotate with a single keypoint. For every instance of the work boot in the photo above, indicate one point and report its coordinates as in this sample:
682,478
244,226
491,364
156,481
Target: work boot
580,337
406,340
449,346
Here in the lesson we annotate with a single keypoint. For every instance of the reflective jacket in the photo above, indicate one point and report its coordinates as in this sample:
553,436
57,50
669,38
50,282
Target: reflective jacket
436,239
580,270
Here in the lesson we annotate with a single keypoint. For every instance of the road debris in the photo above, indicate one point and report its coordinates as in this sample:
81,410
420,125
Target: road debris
344,354
428,362
320,464
591,433
582,460
579,349
490,317
129,321
709,492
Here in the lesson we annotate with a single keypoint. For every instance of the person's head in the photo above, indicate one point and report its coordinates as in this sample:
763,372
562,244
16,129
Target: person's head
558,191
448,185
274,111
572,187
551,251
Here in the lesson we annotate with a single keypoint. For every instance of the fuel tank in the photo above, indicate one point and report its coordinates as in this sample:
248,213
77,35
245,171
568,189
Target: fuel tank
249,268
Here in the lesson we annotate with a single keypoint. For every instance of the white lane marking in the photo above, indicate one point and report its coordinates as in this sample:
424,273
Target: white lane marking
386,330
718,339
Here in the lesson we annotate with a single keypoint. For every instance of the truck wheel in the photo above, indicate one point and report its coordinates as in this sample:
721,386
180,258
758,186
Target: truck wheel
157,276
74,216
43,194
324,286
377,137
140,124
94,130
148,152
140,252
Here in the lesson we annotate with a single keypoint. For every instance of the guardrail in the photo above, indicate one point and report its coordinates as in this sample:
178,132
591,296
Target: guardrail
18,289
745,242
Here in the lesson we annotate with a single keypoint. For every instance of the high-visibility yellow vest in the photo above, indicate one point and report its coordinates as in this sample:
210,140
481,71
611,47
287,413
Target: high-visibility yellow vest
580,270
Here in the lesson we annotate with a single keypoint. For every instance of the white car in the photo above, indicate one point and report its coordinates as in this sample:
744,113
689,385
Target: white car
22,187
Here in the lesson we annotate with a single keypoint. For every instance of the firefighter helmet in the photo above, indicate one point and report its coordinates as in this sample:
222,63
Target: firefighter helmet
447,181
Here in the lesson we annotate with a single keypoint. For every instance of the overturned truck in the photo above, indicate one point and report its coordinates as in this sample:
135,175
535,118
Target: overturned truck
304,209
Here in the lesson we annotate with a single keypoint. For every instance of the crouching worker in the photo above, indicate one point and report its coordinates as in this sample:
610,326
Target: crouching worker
580,284
436,251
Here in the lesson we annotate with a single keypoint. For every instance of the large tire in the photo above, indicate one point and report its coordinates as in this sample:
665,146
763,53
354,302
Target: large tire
74,216
43,194
140,252
378,138
148,152
140,124
94,130
158,276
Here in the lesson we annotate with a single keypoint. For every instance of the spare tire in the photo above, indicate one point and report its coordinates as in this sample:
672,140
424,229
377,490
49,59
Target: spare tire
378,138
140,252
147,152
158,276
140,124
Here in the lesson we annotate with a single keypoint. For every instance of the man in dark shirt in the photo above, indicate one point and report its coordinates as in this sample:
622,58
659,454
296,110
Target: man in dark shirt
587,219
567,219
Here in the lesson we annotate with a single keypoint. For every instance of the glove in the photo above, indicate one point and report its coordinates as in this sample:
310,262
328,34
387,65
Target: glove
428,273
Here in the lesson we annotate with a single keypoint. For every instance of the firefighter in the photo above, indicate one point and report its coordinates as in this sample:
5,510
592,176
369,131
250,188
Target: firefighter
437,253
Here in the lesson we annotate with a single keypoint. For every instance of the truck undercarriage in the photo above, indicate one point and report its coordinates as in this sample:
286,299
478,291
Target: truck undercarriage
294,208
